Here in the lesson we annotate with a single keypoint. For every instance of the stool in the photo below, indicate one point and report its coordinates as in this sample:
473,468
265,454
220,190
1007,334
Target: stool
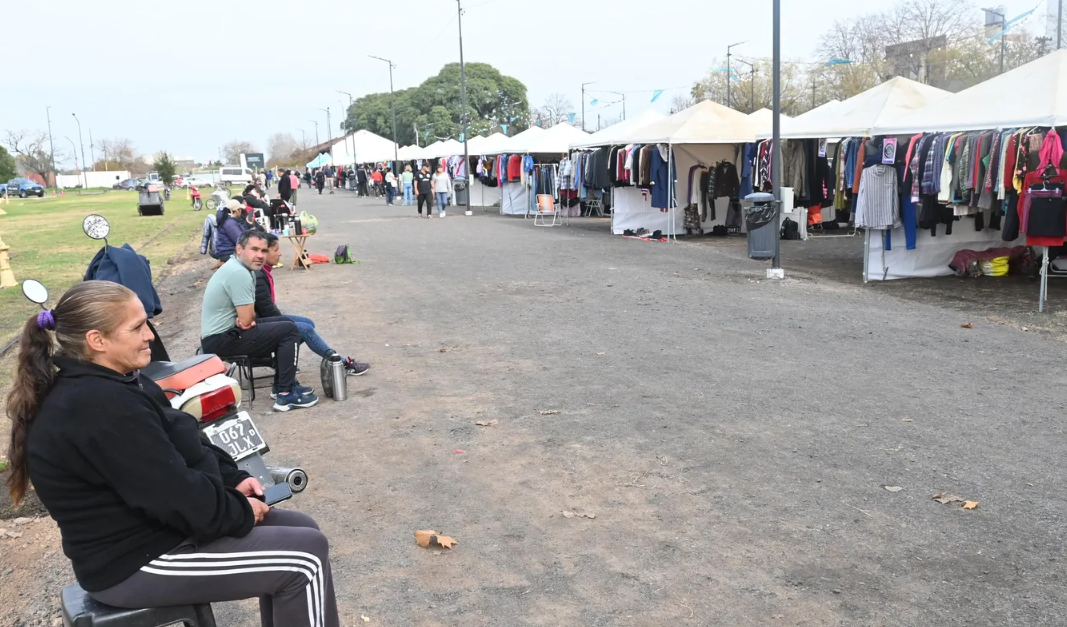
82,610
246,369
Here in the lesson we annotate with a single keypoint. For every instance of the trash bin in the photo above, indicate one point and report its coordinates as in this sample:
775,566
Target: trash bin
761,222
461,193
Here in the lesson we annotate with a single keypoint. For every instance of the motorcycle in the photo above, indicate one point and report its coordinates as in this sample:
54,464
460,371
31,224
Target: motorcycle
166,192
218,198
197,200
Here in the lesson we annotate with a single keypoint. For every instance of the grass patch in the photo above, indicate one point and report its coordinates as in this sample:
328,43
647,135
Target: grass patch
47,243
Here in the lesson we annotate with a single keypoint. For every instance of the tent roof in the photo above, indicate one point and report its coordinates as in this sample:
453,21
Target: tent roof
516,144
368,146
610,135
321,160
764,120
858,115
446,148
706,122
475,144
825,110
556,140
1034,94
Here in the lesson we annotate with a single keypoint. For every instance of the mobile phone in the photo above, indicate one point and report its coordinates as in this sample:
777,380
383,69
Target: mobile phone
277,493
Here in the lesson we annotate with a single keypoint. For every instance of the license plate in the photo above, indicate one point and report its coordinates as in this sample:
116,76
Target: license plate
237,436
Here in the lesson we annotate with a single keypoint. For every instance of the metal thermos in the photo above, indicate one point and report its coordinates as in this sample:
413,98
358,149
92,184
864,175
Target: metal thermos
338,378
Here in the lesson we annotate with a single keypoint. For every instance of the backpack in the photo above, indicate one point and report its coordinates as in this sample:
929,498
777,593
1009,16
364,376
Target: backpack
790,230
342,255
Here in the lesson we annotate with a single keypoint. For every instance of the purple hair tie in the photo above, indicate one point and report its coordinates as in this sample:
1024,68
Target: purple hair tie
46,320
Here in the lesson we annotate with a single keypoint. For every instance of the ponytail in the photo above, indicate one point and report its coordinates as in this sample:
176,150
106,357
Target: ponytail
34,377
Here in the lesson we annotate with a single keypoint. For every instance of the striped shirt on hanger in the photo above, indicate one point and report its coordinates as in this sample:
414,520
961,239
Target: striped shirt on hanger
877,206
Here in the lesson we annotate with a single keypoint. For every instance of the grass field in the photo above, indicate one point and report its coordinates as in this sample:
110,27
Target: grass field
47,243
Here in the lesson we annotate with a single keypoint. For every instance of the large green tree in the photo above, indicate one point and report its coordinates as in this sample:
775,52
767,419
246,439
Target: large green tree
8,169
434,109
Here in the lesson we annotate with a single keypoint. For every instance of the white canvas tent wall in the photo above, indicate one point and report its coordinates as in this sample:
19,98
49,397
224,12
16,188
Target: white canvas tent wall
858,115
704,133
610,136
1034,94
369,148
764,119
446,148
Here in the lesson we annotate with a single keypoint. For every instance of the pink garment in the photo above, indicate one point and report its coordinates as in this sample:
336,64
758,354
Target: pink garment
294,181
1051,150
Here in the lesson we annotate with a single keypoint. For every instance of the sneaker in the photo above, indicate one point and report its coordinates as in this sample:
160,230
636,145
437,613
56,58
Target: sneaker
285,402
299,389
441,215
355,368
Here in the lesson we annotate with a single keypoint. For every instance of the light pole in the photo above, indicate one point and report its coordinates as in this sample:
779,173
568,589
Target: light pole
775,271
74,151
316,123
303,139
52,148
619,93
329,128
92,152
85,184
347,112
729,75
583,102
1059,25
1003,34
463,116
752,85
392,98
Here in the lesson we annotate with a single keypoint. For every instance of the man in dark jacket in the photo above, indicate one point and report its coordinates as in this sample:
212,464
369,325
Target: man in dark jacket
285,187
266,307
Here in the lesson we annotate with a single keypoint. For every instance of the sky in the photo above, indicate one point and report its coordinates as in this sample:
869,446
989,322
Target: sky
188,77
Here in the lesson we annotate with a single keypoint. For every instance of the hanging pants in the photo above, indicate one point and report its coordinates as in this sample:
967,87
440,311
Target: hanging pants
284,562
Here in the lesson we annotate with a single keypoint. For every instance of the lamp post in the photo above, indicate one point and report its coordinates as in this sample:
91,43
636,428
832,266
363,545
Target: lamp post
52,148
346,118
92,152
729,75
1003,34
619,93
392,98
583,102
85,183
316,123
752,85
463,116
775,271
329,128
74,151
303,139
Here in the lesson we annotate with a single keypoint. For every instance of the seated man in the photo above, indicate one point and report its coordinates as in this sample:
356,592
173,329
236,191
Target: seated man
266,308
228,324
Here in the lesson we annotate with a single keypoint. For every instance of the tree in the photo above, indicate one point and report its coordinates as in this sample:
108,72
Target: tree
555,110
119,154
760,85
680,102
233,150
280,148
31,148
8,168
164,165
435,108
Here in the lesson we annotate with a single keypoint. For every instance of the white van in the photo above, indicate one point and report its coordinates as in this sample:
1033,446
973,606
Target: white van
235,175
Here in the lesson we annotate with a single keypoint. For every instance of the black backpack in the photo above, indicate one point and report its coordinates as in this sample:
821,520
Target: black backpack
790,229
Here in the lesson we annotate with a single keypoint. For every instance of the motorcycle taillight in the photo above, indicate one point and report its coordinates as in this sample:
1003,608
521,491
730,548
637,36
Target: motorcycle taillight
216,404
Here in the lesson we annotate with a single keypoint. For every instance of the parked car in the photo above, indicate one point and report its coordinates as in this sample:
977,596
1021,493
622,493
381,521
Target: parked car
197,181
235,175
23,187
128,184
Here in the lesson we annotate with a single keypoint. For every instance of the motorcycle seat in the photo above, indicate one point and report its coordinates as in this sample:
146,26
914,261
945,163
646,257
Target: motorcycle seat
180,375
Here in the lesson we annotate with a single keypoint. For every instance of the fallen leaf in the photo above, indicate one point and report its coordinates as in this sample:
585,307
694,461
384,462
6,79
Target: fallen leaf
427,538
363,618
446,541
487,423
601,353
906,419
945,499
969,325
423,537
547,412
893,488
446,349
588,515
970,505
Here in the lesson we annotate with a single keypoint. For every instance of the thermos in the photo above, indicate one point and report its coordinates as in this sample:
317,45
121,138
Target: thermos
338,379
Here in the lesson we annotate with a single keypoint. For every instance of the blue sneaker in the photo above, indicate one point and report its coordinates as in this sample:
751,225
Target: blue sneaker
300,389
285,402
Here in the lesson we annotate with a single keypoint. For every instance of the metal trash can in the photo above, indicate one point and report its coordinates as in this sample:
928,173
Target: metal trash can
761,222
461,192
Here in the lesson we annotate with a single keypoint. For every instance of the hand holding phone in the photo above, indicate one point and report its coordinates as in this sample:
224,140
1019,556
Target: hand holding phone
277,493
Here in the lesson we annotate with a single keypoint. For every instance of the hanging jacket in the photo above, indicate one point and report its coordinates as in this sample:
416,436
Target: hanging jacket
124,266
208,236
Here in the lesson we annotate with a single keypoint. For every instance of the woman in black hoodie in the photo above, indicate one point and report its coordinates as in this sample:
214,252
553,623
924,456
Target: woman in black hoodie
151,514
285,187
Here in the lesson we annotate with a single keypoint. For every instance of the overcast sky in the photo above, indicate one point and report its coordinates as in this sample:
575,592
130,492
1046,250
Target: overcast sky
188,77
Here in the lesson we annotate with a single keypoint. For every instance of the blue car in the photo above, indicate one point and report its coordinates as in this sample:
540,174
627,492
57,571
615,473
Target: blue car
23,187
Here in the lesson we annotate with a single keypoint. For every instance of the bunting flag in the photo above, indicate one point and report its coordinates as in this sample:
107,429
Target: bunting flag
539,122
571,117
594,102
656,94
462,137
513,119
505,128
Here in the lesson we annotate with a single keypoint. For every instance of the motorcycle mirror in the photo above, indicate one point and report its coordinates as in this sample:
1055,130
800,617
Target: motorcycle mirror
35,291
96,226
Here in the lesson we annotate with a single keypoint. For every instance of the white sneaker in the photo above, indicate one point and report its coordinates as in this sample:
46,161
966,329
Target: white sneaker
441,215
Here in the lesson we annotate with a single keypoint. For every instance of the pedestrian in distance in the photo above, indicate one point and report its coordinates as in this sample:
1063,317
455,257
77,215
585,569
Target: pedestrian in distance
407,178
390,186
320,180
442,187
424,187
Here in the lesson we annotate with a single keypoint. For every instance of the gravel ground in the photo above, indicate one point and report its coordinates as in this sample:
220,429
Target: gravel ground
731,438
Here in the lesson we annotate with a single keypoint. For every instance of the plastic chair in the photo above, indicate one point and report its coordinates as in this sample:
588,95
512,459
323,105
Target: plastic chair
546,206
82,610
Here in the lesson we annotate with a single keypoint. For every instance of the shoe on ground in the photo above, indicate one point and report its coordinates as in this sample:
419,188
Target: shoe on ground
356,368
441,215
300,389
294,400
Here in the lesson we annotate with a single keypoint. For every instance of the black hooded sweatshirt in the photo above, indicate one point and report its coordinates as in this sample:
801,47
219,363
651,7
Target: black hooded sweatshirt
127,477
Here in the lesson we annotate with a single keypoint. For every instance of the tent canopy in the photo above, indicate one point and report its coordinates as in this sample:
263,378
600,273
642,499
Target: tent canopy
322,160
446,148
610,135
860,114
516,144
764,120
706,122
1034,94
369,148
556,140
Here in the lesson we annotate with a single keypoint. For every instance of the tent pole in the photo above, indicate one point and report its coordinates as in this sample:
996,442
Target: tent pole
670,191
866,252
1044,282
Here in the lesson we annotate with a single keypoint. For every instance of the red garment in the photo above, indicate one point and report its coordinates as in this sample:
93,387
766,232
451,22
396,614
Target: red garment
376,176
860,156
269,272
1034,178
514,168
1051,150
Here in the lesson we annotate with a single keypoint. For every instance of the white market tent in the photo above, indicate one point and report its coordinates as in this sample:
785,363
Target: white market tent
490,143
475,144
764,119
516,144
556,140
368,147
858,115
706,122
610,136
1034,94
446,148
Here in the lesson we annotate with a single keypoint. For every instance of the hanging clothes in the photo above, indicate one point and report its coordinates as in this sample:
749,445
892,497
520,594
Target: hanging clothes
661,177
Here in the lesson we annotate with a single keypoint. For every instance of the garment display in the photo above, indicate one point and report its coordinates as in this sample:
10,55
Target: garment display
878,205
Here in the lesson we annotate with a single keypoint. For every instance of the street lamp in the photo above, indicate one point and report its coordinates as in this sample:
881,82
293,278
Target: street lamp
51,147
73,151
463,116
329,128
349,111
583,102
729,74
85,184
392,97
316,123
752,85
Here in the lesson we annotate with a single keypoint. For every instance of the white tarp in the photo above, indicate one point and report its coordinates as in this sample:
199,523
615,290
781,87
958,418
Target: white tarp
931,255
610,136
475,144
556,140
368,147
491,143
446,148
516,144
764,120
514,200
632,209
857,116
706,122
1034,94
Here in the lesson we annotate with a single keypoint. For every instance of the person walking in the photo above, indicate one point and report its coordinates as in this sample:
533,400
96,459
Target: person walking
376,176
407,178
320,180
294,184
307,177
361,182
442,187
424,188
285,186
390,186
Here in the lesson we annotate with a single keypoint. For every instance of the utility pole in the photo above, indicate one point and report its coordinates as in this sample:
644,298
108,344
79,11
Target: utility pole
1003,33
776,135
74,151
813,90
303,139
752,85
392,97
85,179
1059,26
52,148
316,123
463,115
583,102
619,93
729,74
92,151
346,119
329,128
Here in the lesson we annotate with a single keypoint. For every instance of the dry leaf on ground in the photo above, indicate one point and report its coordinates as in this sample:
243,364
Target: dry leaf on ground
893,488
601,353
548,412
588,515
906,419
487,423
945,499
446,349
428,538
970,505
365,619
969,325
